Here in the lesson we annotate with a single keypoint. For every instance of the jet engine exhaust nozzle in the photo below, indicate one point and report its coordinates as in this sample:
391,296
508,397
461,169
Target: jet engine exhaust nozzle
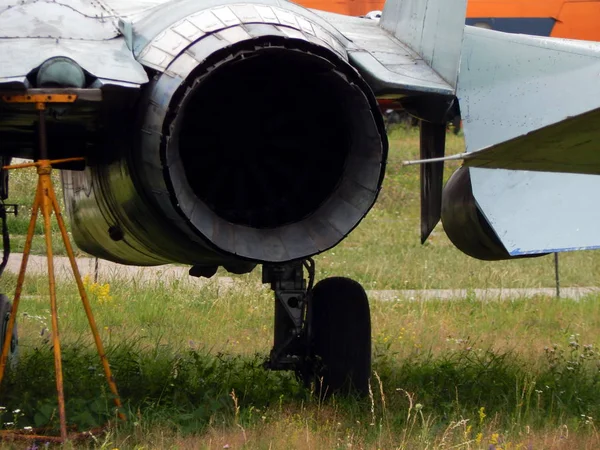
274,154
269,150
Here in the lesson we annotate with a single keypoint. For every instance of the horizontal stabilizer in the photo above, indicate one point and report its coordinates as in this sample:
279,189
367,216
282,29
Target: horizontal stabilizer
571,146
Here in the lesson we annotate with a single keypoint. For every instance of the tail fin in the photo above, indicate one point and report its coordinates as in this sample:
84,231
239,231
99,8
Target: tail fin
432,28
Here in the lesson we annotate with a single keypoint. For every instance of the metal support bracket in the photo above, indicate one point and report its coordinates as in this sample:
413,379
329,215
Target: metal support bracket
290,289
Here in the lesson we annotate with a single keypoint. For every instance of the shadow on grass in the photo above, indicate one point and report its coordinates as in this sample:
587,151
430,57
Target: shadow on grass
190,390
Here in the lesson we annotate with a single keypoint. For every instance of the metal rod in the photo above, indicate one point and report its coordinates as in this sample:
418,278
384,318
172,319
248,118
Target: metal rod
34,164
47,205
556,275
460,156
86,304
43,150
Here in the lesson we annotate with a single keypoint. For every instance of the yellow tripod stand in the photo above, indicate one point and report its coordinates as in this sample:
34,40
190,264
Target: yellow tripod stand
46,202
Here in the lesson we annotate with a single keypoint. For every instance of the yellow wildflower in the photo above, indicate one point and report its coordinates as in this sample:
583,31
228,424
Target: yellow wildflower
494,438
468,431
482,414
478,438
100,291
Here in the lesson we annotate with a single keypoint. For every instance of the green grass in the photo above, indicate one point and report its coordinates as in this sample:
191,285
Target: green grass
447,374
180,354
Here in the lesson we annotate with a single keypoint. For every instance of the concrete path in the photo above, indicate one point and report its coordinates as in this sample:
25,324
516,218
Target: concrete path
482,294
112,271
106,270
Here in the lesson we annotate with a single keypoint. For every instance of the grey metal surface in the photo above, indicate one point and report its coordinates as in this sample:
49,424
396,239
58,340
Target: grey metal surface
68,19
389,66
33,31
432,28
534,212
463,222
161,29
530,83
108,60
510,85
570,146
147,28
226,22
432,143
131,9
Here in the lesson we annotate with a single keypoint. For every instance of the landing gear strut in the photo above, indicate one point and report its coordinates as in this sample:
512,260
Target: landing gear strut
323,333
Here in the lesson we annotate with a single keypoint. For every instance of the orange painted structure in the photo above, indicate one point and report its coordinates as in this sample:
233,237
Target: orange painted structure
573,19
347,7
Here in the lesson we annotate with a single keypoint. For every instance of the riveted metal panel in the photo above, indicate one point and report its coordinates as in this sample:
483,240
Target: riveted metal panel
246,13
109,60
286,18
206,21
69,19
432,28
226,15
170,42
389,66
188,30
267,14
234,34
225,24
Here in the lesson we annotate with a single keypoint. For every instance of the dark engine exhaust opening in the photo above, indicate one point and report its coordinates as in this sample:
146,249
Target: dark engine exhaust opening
265,138
272,150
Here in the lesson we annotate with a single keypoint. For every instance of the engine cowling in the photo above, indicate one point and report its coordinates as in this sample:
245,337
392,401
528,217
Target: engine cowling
255,142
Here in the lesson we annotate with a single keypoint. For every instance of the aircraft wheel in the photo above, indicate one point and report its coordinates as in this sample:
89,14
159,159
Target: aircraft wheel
5,310
340,337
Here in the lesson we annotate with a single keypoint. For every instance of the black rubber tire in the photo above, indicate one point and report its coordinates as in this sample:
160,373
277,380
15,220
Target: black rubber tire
340,337
5,310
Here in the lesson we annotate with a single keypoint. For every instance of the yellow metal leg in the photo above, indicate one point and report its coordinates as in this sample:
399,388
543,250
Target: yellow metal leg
44,170
86,304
